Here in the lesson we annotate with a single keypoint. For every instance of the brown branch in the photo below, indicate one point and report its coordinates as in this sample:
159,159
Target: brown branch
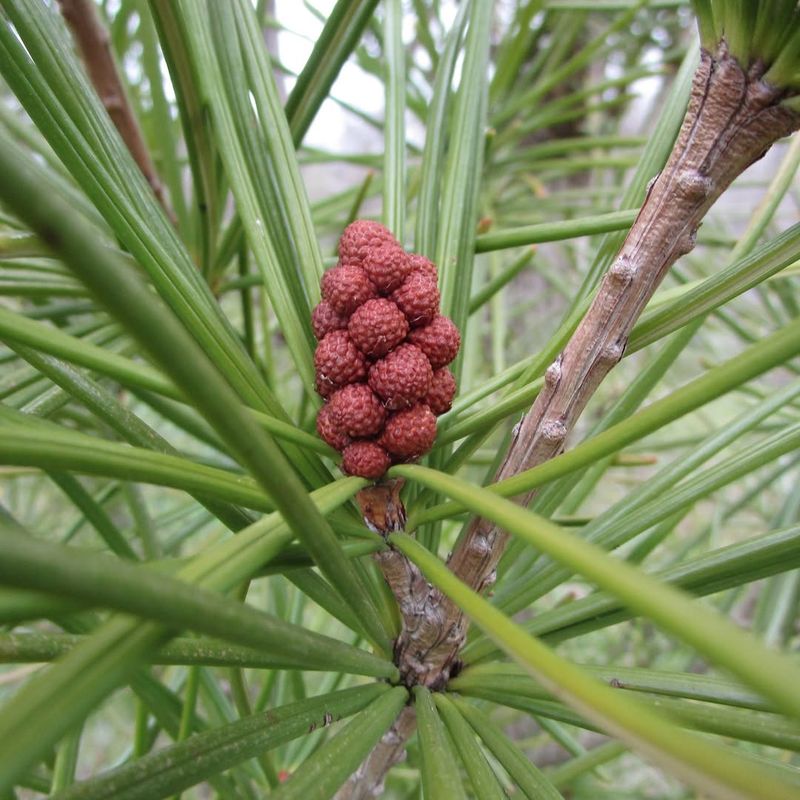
93,42
384,513
367,781
417,600
732,120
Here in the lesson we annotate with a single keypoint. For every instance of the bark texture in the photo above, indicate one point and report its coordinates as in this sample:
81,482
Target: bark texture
732,119
367,781
94,45
384,513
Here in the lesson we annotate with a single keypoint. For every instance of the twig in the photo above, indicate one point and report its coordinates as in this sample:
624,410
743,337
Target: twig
732,120
93,43
417,600
367,781
384,513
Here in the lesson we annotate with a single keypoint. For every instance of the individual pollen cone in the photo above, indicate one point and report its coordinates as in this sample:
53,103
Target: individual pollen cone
360,238
346,288
443,390
421,264
357,411
377,327
382,352
439,341
366,459
338,361
387,266
410,433
325,319
402,378
418,298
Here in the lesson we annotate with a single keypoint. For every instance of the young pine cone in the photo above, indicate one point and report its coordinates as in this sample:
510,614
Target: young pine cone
382,352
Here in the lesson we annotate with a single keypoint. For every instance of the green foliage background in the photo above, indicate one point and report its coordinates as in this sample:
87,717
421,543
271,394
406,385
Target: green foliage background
156,388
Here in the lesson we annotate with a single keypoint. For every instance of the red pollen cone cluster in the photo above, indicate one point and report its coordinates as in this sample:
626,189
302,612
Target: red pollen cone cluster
383,352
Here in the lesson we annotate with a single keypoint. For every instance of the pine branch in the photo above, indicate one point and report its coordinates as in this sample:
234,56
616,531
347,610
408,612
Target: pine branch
93,42
368,780
732,120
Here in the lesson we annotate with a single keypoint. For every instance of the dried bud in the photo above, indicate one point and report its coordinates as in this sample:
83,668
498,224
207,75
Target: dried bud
338,361
365,459
418,298
346,287
325,319
359,238
443,390
387,266
357,410
410,433
377,327
402,378
439,341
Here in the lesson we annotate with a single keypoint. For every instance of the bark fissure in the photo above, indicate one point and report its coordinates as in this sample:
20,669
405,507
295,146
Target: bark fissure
732,119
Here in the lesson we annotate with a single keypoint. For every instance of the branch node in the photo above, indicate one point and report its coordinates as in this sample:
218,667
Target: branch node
554,431
489,581
552,376
612,353
686,242
622,271
481,546
694,186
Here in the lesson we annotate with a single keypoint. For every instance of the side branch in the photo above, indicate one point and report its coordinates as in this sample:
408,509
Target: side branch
368,780
384,513
93,42
732,120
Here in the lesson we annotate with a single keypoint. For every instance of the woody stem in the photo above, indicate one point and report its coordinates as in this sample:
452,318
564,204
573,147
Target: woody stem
732,119
93,42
